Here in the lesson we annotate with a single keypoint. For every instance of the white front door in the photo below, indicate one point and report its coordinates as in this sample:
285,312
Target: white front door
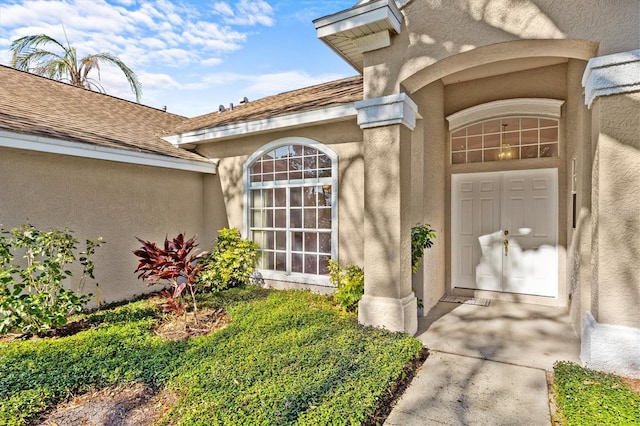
504,231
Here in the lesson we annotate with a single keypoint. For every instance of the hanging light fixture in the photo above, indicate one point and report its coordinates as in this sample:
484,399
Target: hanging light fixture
505,148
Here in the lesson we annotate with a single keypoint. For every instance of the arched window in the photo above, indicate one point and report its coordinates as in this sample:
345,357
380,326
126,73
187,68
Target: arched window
291,199
510,129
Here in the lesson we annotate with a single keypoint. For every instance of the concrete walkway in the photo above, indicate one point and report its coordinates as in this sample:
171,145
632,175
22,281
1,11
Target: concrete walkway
487,365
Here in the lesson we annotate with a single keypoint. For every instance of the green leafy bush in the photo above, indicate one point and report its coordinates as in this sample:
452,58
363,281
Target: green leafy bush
422,237
349,282
33,297
586,397
230,262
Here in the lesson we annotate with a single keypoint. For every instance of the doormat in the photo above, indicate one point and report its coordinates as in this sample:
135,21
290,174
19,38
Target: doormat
465,300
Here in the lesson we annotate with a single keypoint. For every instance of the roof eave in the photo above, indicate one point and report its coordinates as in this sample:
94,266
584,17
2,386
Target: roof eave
254,127
363,28
77,149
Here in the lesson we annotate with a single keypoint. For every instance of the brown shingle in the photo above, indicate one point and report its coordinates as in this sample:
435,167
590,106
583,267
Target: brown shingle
307,99
35,105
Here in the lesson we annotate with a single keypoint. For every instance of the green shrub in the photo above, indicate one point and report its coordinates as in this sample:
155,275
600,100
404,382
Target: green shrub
230,262
33,298
587,397
350,284
421,238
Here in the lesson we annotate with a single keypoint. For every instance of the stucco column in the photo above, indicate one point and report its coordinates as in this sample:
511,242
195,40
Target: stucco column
611,329
388,300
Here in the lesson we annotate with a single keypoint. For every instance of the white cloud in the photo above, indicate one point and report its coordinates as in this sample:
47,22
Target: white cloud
247,12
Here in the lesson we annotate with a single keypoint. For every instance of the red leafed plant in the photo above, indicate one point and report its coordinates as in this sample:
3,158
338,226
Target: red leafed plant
176,264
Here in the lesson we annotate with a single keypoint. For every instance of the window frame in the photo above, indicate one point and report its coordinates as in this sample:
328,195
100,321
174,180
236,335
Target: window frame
288,276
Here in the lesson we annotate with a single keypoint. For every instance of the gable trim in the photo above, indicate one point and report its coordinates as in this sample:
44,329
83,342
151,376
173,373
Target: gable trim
245,128
85,150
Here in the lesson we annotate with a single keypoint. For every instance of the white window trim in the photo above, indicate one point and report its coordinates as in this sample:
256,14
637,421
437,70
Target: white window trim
538,107
295,276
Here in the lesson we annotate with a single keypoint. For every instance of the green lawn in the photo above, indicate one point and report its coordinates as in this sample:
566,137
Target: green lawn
586,397
288,357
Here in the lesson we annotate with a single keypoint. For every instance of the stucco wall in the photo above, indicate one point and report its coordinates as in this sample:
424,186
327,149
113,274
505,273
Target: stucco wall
113,200
616,288
345,138
439,29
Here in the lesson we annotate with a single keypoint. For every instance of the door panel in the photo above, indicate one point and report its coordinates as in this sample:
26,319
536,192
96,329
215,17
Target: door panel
485,206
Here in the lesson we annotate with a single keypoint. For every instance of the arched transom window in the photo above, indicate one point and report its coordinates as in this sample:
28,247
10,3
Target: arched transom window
508,138
291,198
508,129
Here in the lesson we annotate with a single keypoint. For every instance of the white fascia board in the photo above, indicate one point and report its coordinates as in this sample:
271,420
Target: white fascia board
369,13
508,107
85,150
611,74
320,116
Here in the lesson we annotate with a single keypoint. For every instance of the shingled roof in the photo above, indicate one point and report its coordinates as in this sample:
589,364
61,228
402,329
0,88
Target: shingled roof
302,100
34,105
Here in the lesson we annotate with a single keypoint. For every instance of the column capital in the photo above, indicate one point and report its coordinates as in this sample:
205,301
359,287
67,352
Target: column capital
611,74
387,111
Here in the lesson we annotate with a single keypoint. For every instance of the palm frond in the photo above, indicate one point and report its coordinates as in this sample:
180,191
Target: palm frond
93,61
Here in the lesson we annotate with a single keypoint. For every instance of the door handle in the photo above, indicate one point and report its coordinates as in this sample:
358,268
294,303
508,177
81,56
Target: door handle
506,246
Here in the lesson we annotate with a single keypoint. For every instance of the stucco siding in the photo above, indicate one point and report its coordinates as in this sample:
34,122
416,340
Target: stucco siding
115,201
437,30
618,248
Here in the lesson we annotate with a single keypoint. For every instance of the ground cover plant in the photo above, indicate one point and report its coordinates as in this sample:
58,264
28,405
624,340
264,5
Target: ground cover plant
287,357
586,397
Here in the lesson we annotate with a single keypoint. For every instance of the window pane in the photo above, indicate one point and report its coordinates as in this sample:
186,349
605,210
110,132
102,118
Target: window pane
459,144
549,135
510,124
269,240
309,218
297,262
511,138
310,196
491,154
323,265
310,242
491,126
549,150
324,218
528,123
310,264
474,157
530,151
491,141
296,197
475,142
281,197
297,241
258,238
256,198
324,199
324,242
257,219
458,158
281,261
268,218
281,240
295,217
474,130
530,137
324,162
281,218
268,260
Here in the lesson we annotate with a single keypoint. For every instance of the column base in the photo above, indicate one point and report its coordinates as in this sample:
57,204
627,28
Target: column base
610,348
390,313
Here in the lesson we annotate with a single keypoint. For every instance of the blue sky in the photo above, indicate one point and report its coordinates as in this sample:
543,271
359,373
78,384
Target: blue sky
189,55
